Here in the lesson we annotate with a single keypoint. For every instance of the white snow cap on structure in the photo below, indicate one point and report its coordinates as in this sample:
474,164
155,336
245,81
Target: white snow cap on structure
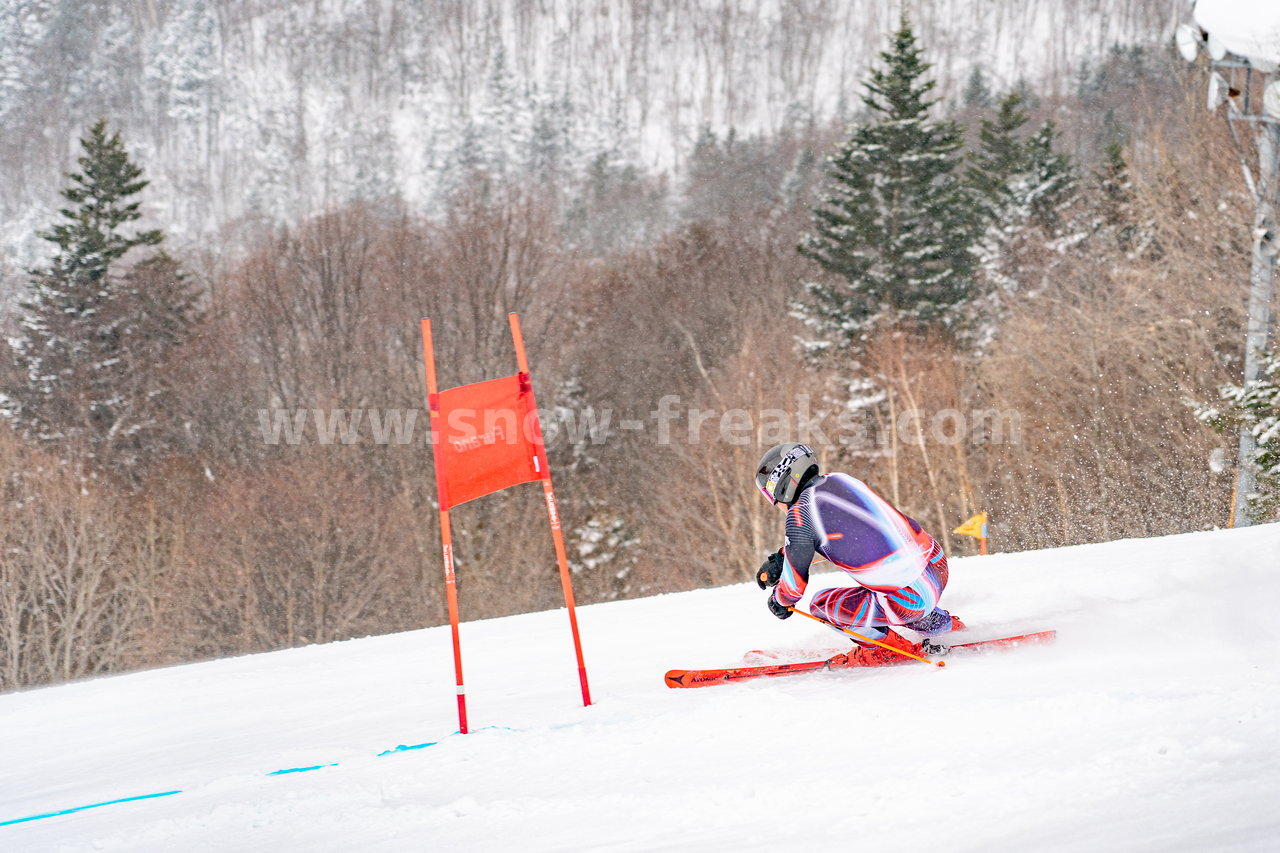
1249,28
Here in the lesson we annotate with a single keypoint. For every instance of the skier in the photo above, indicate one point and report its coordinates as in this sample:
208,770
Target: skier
898,570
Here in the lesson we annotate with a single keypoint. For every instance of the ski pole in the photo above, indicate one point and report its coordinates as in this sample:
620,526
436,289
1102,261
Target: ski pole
867,639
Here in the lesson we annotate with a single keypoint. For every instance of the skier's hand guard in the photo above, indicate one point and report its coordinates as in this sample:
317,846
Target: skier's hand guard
779,609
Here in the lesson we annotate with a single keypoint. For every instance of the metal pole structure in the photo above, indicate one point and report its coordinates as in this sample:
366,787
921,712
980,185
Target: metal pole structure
1261,296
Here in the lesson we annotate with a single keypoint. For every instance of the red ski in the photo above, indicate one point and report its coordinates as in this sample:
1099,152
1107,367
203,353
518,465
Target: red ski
707,677
1038,638
784,664
776,656
768,664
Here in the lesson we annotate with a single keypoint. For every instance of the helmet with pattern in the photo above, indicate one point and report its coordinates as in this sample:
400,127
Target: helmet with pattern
784,471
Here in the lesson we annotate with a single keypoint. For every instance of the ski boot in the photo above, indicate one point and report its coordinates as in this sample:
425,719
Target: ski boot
937,622
880,656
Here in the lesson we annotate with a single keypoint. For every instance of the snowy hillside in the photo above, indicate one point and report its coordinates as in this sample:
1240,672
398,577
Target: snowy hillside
1151,725
278,109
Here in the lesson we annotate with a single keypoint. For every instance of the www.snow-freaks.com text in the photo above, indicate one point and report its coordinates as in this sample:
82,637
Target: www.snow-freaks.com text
865,427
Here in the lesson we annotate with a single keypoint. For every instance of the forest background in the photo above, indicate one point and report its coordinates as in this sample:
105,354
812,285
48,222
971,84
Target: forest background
262,479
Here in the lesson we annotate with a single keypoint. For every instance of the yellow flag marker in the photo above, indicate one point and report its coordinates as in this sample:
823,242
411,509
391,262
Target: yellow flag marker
977,528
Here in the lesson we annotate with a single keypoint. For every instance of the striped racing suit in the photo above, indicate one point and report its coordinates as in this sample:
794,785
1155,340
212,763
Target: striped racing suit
898,570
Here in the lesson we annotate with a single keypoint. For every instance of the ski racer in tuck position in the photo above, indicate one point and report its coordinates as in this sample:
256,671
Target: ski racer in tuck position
899,571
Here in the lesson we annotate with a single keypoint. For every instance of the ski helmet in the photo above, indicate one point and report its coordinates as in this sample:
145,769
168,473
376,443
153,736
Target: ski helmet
784,469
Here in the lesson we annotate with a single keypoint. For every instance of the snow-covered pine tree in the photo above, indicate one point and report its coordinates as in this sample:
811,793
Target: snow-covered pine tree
1051,179
1115,196
1016,177
998,167
1018,182
554,145
1000,157
91,339
1119,218
976,91
895,230
1255,407
1022,88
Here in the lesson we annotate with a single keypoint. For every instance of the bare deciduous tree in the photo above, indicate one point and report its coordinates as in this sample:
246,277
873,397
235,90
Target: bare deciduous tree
77,567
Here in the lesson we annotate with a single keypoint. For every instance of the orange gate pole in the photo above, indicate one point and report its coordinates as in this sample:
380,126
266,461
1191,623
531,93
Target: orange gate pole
552,513
446,535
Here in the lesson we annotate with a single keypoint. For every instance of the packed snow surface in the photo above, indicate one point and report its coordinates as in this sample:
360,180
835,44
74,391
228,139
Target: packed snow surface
1150,725
1246,27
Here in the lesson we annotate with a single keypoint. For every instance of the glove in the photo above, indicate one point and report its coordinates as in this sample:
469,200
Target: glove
779,609
770,571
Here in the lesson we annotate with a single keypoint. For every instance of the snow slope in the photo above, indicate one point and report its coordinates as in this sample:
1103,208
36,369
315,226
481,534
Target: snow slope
1151,725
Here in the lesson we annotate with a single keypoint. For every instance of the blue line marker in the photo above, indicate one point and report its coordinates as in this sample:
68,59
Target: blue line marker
90,806
393,751
301,769
403,748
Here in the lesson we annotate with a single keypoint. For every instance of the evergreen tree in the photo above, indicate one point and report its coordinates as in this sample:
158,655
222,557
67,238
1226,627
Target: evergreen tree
504,119
1255,407
1023,90
976,91
730,178
91,240
1051,179
896,229
1020,185
92,340
554,135
1000,158
1018,178
1116,214
1113,182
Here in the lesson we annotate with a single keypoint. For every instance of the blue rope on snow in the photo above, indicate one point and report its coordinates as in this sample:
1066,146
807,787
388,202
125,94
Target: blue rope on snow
91,806
393,751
